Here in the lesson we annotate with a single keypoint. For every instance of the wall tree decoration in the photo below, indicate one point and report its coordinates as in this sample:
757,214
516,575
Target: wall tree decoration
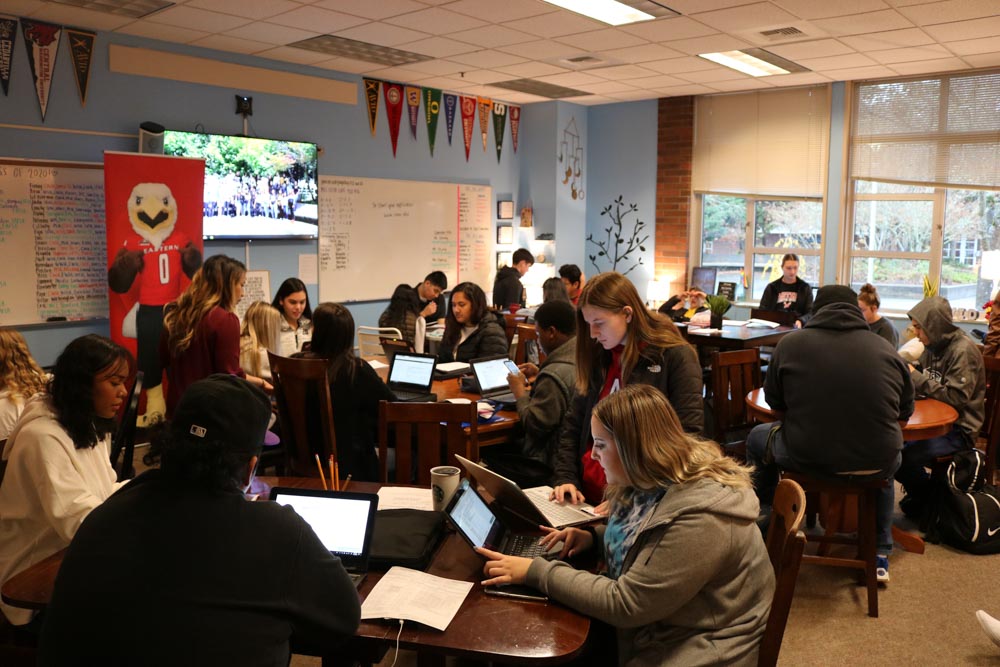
620,244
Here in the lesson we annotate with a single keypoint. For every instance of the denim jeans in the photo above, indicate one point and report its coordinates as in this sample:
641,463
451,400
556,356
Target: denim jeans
767,464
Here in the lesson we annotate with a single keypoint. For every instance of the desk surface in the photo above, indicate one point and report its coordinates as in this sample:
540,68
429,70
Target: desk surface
736,338
487,628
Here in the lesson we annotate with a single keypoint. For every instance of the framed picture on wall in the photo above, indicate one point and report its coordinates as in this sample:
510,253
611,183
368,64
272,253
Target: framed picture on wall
504,259
505,209
505,235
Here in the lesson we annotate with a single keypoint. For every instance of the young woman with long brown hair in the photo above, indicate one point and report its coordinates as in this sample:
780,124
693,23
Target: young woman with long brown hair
470,330
20,378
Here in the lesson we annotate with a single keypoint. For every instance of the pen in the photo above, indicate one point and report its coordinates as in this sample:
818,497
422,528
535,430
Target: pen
319,466
346,482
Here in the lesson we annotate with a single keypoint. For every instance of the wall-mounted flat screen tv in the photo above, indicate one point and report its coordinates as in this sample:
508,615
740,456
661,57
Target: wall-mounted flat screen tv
254,188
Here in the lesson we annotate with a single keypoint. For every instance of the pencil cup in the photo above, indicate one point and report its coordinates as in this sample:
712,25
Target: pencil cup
444,481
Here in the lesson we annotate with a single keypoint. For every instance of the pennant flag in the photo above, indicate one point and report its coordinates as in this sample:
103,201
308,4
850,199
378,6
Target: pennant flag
413,106
81,47
515,122
42,42
371,93
432,107
393,110
8,35
499,124
450,103
485,104
468,118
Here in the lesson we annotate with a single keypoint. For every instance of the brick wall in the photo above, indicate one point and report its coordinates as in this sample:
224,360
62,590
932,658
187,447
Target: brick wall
675,145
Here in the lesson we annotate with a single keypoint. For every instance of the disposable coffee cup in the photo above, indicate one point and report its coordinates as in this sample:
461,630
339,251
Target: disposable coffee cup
444,483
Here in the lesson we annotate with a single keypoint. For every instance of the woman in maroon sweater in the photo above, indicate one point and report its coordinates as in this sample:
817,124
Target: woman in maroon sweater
201,333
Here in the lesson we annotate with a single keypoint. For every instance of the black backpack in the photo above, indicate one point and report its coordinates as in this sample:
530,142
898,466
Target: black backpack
966,511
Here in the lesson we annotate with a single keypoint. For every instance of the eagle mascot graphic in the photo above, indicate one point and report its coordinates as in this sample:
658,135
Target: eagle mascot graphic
155,257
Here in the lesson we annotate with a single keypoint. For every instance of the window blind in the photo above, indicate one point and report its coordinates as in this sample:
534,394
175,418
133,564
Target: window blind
941,131
766,142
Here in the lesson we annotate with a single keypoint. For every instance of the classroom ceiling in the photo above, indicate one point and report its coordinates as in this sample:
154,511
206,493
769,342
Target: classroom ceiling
473,44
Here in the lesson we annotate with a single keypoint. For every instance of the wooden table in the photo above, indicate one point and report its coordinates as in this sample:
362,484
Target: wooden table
736,338
931,418
486,628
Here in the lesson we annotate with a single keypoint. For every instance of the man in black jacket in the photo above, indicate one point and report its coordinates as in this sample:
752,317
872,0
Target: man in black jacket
178,568
843,395
430,294
507,288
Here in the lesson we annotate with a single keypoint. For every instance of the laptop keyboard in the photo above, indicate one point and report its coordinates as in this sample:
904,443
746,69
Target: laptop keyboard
526,546
413,395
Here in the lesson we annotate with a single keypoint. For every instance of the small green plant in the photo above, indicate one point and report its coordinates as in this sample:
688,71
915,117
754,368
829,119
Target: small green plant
718,304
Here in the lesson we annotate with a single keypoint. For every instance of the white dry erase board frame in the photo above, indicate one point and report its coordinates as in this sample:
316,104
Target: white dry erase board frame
377,233
52,241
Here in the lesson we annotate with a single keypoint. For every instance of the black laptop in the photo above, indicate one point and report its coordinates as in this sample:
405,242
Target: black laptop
491,374
411,376
344,521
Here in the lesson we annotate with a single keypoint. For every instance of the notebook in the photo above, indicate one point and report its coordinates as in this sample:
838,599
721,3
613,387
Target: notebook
344,521
532,505
481,527
411,376
491,374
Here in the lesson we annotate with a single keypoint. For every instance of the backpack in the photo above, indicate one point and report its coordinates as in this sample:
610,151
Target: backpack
966,511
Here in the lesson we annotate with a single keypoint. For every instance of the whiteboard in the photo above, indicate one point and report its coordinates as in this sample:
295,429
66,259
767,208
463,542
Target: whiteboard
376,233
52,242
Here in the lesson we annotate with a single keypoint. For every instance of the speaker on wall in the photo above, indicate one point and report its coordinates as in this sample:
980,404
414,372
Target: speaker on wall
151,138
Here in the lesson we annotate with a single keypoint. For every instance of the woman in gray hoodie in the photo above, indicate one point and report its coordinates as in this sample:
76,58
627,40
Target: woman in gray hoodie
688,579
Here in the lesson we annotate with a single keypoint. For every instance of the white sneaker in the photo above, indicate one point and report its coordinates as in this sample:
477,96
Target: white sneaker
991,626
882,569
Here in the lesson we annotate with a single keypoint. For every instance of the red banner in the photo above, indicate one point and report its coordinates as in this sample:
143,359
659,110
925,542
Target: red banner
468,118
154,207
393,110
413,106
485,106
515,123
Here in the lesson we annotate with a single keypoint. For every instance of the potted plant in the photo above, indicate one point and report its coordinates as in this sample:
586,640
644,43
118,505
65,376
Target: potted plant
718,305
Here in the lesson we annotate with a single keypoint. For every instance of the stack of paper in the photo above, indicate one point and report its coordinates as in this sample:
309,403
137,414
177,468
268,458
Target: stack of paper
405,498
412,595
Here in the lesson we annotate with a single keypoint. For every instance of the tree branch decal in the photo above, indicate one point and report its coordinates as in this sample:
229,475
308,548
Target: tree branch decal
618,245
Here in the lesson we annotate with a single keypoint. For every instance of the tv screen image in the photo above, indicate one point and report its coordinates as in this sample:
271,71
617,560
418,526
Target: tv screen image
254,188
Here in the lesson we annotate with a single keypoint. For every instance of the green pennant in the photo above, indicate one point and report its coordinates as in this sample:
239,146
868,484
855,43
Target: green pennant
432,107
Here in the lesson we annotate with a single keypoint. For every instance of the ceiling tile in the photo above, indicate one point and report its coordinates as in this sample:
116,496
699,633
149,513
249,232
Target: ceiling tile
438,47
542,49
317,19
197,19
570,79
975,29
381,33
621,72
484,76
743,84
294,55
79,17
525,98
688,7
974,46
231,44
601,40
446,83
685,64
167,33
379,9
492,36
910,54
857,24
632,96
485,59
398,74
837,62
661,81
531,69
852,74
663,30
984,59
746,17
709,75
642,53
591,100
349,65
815,49
21,7
690,89
251,9
929,66
811,9
436,67
499,12
710,44
555,24
907,3
270,34
436,21
798,79
952,10
891,39
606,87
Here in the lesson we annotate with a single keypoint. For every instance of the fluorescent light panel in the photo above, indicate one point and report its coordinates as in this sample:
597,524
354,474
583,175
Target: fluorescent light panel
363,51
755,62
131,8
611,12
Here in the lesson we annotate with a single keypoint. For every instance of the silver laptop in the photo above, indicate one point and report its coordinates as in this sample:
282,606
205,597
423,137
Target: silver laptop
344,521
491,374
411,376
532,505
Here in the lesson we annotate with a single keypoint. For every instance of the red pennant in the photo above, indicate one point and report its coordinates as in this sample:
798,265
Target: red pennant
515,123
485,106
413,106
468,118
393,110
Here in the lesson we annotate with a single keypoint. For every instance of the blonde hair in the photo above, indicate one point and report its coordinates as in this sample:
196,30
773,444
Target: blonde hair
214,284
868,295
261,331
613,292
19,373
654,449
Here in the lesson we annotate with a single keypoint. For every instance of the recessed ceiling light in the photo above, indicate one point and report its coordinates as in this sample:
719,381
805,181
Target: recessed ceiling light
132,8
539,88
614,12
356,50
755,62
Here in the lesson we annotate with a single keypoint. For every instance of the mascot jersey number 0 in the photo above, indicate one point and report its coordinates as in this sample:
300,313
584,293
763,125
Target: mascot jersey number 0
156,257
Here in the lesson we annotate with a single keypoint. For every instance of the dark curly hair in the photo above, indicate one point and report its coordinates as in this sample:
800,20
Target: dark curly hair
211,465
72,386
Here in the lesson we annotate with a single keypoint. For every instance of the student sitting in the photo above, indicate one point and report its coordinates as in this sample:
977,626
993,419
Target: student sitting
356,390
682,307
507,288
20,378
261,332
471,331
178,568
429,294
869,303
58,457
688,579
573,279
553,289
789,293
296,328
403,313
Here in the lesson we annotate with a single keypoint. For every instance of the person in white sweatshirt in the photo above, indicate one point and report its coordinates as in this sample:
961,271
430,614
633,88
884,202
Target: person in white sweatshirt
58,457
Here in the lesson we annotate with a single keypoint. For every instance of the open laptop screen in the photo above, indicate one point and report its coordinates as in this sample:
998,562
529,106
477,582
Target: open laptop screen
343,521
491,374
412,369
473,518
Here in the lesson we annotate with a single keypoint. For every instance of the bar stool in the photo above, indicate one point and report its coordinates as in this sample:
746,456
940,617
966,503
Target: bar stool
866,491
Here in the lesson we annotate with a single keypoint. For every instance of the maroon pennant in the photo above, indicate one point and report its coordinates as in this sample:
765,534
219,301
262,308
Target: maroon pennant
393,110
515,122
81,48
8,35
42,42
468,118
485,105
413,106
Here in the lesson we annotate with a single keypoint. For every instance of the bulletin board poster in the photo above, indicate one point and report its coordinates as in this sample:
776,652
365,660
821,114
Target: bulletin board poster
154,208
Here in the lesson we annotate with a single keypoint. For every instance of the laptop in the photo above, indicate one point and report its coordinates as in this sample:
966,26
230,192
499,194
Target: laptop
411,376
481,527
532,505
390,346
344,521
491,374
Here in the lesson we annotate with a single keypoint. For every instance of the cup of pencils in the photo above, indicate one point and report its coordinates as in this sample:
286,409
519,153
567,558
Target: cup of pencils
334,467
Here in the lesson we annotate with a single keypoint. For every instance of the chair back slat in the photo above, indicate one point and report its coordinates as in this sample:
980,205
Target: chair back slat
305,406
526,333
425,435
734,375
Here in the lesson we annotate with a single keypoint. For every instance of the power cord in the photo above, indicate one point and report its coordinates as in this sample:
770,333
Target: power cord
398,635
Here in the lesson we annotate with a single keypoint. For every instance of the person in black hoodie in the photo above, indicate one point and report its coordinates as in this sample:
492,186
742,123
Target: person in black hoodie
507,288
843,395
789,293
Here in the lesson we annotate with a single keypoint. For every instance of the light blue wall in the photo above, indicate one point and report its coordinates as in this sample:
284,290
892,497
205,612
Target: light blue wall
571,212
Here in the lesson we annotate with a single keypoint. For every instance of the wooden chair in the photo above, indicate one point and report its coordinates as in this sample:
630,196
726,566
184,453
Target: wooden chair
124,439
425,435
302,390
511,323
785,544
734,374
526,333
